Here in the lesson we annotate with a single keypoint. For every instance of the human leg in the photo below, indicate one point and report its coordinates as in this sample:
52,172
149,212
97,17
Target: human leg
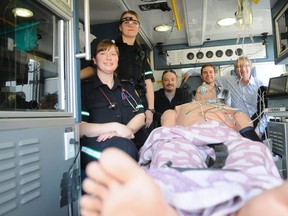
252,158
120,187
242,120
169,145
269,203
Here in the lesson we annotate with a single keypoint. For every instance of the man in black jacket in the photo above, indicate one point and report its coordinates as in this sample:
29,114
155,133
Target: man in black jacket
169,96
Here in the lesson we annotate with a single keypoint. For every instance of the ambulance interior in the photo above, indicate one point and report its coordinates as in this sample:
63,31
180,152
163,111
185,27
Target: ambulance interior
39,80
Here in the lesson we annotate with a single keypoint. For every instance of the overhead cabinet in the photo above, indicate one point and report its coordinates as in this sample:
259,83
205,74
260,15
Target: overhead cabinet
280,28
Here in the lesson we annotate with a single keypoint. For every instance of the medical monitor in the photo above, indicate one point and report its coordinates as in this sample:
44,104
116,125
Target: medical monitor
278,86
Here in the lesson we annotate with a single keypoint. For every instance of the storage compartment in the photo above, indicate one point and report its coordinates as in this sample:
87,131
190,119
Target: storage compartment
280,27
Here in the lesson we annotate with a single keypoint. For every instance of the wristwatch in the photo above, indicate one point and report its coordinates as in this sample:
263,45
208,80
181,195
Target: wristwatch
152,110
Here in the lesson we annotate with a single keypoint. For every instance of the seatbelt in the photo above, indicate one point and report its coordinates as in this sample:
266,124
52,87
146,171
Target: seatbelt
221,154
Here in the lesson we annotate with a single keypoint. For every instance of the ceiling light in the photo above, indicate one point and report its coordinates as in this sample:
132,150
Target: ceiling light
163,28
226,21
22,12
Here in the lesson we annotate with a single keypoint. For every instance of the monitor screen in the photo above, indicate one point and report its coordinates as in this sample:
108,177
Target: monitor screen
277,86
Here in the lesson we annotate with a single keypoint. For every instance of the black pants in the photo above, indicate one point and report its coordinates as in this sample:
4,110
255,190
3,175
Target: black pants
140,137
125,145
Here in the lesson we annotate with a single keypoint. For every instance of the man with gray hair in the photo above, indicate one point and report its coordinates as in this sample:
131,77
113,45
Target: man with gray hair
246,92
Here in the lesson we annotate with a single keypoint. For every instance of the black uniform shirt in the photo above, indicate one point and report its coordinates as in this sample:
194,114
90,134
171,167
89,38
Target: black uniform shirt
95,103
132,64
162,103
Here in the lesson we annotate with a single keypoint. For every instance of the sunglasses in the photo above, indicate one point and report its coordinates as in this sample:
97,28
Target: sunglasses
130,21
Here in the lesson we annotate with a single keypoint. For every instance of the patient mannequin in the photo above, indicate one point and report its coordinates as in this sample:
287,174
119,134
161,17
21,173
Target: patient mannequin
200,111
118,186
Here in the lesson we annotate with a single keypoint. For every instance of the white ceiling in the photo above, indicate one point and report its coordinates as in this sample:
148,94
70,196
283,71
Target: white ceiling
198,19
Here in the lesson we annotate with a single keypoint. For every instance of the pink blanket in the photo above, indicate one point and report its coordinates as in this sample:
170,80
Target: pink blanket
204,191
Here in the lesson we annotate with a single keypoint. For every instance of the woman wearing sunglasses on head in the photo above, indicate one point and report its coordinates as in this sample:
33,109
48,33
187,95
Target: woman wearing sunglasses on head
111,111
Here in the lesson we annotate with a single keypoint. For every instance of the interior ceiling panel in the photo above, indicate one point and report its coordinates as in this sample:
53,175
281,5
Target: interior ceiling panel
198,19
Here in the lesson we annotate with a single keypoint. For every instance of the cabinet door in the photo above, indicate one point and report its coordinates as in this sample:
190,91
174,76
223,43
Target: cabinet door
35,177
35,58
280,31
62,5
281,27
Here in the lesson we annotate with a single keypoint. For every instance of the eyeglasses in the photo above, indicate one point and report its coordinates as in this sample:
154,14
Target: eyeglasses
134,23
242,66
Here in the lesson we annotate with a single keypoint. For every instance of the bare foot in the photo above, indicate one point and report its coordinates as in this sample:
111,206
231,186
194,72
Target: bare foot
270,203
120,187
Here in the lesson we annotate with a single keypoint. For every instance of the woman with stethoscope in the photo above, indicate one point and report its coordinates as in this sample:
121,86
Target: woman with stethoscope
133,64
111,111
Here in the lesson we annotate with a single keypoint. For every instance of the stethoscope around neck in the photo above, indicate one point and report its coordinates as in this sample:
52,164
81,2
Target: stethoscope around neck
125,95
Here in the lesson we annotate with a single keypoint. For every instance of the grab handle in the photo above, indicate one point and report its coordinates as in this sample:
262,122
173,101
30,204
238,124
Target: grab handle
87,53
